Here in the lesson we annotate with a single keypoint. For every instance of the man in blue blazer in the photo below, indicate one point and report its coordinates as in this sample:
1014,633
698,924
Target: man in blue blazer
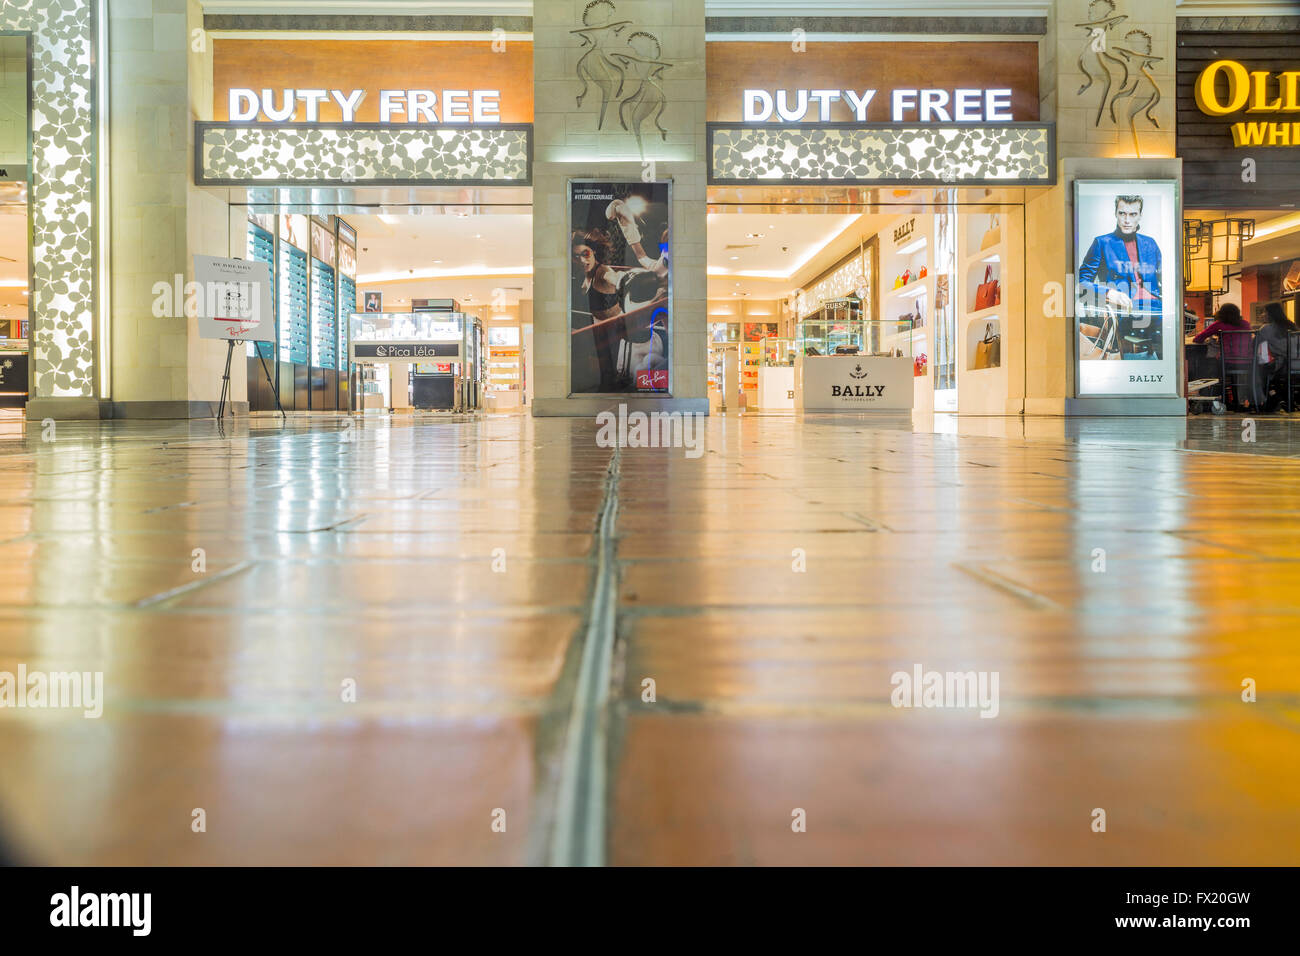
1122,268
1122,271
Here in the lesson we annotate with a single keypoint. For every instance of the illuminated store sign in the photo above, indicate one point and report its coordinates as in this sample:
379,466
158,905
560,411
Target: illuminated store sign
905,105
288,105
876,113
1227,86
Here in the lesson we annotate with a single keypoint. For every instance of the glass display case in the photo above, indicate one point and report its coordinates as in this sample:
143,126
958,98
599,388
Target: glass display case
837,328
777,352
469,372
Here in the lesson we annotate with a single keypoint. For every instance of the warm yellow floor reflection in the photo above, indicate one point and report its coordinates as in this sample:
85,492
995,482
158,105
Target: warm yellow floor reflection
357,645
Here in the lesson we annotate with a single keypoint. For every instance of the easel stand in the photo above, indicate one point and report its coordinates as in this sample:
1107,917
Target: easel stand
225,380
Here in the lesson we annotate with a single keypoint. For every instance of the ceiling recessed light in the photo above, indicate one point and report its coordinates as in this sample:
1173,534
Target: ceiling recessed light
754,235
737,257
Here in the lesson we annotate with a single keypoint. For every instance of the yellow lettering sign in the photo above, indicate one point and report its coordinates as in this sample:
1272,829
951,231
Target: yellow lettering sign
1238,88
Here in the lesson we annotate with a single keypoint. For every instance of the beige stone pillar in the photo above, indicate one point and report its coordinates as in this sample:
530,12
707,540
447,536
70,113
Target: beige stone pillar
1092,145
569,144
160,73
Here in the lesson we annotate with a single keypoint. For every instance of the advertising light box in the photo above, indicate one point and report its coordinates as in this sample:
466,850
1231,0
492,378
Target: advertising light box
1128,296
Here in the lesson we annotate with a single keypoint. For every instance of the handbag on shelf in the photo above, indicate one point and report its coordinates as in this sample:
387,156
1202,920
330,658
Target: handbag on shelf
922,274
898,282
992,235
918,365
988,350
989,292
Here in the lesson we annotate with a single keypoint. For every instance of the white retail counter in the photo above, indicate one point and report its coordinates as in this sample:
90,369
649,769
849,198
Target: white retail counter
776,387
853,383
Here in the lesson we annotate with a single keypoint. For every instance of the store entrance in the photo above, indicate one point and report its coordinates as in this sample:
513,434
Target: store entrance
932,280
395,307
15,290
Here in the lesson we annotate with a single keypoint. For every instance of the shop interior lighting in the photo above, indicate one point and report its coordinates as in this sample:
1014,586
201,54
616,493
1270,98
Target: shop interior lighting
1199,273
1226,237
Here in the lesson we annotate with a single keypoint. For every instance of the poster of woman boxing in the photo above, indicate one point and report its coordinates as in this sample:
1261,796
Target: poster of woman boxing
620,301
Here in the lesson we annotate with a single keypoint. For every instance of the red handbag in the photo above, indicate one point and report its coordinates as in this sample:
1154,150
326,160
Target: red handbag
989,293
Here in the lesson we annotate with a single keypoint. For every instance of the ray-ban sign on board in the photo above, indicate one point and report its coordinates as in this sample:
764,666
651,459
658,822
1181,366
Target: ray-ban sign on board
233,299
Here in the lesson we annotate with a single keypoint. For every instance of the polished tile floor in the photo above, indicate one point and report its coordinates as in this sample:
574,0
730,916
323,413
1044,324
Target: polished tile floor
366,642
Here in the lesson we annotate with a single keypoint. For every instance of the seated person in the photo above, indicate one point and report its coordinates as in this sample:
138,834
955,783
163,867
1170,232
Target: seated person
1275,334
1234,332
1236,348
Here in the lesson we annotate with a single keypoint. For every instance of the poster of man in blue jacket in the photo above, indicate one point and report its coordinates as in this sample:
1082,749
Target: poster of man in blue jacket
1119,284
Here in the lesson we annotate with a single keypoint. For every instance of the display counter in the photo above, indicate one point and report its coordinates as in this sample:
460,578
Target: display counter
846,363
445,347
853,382
13,373
776,374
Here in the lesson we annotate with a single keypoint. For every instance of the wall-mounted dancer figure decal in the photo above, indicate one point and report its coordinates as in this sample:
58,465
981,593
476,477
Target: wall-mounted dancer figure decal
647,101
613,67
1122,68
1136,53
598,66
1101,18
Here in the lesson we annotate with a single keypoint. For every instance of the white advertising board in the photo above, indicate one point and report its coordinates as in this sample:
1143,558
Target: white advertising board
1128,296
234,299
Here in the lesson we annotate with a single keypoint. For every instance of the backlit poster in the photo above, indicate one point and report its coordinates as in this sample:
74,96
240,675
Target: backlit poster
1127,293
620,298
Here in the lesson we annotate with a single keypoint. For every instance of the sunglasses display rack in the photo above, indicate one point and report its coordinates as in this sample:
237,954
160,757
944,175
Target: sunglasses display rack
347,305
322,317
261,248
295,305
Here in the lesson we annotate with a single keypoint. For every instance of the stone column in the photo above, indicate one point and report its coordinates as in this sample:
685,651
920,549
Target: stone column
161,369
571,144
1092,145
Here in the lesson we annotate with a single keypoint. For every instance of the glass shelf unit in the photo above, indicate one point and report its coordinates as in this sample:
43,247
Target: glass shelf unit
261,248
347,305
295,305
322,318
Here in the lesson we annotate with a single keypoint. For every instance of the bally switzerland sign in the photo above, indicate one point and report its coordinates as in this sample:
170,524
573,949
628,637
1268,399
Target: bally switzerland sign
856,383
